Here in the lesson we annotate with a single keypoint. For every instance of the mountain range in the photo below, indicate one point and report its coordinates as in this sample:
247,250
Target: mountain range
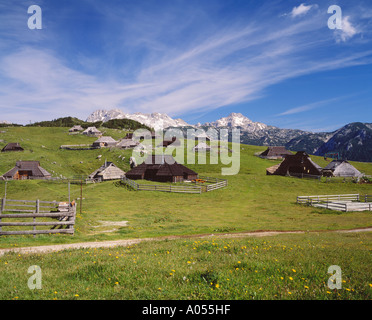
351,142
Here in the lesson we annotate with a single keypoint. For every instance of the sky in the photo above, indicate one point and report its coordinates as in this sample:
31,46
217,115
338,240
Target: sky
276,62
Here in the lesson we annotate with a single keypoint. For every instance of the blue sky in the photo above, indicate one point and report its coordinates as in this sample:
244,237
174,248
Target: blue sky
276,62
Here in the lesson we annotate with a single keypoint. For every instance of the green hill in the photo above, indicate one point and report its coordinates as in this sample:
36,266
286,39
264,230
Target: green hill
252,200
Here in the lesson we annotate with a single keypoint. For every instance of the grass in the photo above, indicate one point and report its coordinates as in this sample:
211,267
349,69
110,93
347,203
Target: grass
252,200
280,267
216,268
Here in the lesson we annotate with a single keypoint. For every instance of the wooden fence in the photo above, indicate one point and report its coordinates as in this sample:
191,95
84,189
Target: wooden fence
79,147
64,212
197,187
344,202
338,197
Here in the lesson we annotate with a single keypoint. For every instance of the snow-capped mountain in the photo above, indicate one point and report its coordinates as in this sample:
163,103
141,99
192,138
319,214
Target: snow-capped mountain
4,122
352,141
153,120
235,120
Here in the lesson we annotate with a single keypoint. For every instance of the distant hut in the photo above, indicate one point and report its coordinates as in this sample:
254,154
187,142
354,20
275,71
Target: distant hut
202,146
275,152
13,146
298,164
129,135
105,141
27,170
108,171
174,142
203,137
126,144
161,168
340,168
92,132
76,128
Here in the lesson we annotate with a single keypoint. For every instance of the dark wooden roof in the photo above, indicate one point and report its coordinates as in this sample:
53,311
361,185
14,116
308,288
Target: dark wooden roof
275,151
297,164
13,146
33,166
160,165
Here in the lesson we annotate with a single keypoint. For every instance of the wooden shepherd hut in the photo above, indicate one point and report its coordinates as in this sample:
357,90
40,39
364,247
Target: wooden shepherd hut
298,164
275,152
13,146
127,144
105,141
161,168
27,170
76,128
108,171
340,168
92,132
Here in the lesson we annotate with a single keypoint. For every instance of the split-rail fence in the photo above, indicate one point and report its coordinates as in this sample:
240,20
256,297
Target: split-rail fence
209,184
64,212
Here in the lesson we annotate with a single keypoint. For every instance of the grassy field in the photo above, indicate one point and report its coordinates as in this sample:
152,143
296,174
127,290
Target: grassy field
252,200
280,267
184,269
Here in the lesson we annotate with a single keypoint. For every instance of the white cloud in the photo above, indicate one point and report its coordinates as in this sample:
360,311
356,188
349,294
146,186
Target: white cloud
347,31
302,9
229,66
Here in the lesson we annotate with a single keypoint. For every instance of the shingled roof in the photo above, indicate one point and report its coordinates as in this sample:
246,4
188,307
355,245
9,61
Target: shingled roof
296,164
341,168
12,146
275,152
30,169
161,168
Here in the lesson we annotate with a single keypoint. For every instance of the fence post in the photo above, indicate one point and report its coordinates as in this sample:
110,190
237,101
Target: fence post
37,211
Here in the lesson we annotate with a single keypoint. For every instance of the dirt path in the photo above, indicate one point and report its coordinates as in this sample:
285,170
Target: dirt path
125,243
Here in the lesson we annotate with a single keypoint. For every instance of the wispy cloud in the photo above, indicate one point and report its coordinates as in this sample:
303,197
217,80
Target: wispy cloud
308,107
195,71
301,10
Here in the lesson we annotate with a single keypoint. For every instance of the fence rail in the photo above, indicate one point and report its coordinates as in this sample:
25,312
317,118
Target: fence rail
338,197
63,211
199,187
342,202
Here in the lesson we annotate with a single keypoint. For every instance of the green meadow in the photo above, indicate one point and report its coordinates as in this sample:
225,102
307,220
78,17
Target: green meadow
218,268
275,268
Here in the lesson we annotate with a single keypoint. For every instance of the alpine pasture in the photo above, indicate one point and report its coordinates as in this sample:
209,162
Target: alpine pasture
279,267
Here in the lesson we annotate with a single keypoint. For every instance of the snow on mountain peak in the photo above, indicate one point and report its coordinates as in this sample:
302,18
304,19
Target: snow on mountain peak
154,120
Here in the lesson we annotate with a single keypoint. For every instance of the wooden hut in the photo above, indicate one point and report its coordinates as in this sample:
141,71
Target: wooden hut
202,146
340,168
161,168
92,132
13,146
298,164
105,141
202,137
126,144
76,128
275,152
27,170
174,142
108,171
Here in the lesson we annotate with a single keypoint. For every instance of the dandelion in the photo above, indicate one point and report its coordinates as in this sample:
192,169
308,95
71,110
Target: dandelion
217,285
306,287
370,285
188,262
76,295
293,270
290,278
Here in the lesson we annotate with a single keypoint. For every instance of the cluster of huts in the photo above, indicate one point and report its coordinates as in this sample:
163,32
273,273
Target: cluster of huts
300,164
